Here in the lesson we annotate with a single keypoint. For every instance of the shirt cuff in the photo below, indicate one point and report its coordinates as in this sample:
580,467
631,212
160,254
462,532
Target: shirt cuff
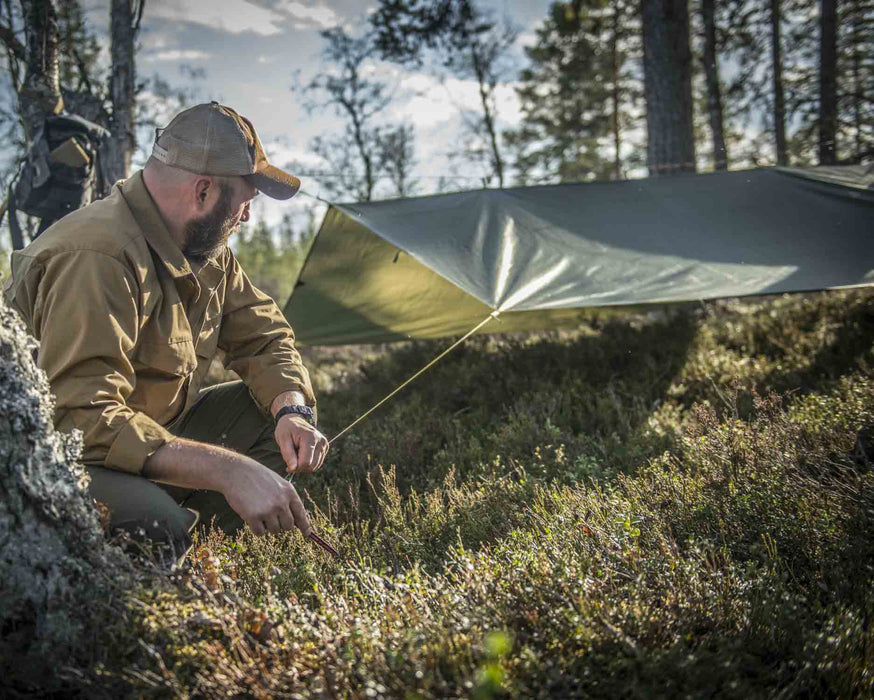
135,443
277,380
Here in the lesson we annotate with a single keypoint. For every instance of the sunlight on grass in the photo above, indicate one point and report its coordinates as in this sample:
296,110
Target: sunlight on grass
673,504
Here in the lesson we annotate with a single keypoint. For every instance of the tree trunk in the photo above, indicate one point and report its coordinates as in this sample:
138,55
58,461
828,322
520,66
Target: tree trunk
363,149
58,577
777,77
122,88
614,51
858,86
667,63
828,87
40,93
714,96
488,117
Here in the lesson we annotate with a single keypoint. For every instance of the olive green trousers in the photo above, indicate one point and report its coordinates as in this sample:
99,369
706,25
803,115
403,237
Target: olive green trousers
224,415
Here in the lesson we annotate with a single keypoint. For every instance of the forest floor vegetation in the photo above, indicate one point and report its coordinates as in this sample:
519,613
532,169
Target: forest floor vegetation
670,504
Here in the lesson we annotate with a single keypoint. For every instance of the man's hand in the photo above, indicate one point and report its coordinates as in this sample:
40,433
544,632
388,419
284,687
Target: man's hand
266,501
303,447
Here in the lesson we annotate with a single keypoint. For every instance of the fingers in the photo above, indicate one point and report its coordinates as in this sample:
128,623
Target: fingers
289,454
320,452
303,447
264,500
271,523
286,519
305,452
301,520
280,521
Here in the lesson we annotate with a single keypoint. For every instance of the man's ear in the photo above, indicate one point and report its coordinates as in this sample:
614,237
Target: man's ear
203,188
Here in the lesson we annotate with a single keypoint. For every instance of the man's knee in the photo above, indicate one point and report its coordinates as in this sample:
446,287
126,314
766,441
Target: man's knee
171,529
142,509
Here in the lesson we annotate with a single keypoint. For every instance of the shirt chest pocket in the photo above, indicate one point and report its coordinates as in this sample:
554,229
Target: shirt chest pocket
165,348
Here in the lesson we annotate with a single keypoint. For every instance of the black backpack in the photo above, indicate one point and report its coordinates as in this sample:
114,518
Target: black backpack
60,173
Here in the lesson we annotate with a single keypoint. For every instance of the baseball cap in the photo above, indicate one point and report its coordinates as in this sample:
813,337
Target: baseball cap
213,139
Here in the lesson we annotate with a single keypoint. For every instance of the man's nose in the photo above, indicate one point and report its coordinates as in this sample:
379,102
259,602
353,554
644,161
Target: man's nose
245,215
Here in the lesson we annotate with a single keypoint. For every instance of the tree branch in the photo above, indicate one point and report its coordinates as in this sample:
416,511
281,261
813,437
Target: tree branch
140,6
7,36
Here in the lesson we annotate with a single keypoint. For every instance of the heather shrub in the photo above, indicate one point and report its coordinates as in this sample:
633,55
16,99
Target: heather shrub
674,504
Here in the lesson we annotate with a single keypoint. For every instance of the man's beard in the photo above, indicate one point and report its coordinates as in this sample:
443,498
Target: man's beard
207,236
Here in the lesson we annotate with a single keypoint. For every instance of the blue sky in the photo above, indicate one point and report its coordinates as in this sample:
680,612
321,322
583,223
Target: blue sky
253,51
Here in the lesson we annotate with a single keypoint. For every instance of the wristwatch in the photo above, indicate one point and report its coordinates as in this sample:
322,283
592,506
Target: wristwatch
304,411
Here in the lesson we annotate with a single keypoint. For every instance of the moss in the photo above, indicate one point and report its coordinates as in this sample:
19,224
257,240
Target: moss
57,575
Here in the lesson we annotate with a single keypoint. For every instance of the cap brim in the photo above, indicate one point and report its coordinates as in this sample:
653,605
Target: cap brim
275,183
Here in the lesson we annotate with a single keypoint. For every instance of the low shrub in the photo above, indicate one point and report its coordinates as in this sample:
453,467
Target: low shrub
670,505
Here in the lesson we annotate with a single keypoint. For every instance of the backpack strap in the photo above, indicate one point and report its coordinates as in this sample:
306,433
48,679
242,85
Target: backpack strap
14,227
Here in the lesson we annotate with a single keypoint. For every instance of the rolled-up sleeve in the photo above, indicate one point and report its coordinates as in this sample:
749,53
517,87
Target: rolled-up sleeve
84,310
258,342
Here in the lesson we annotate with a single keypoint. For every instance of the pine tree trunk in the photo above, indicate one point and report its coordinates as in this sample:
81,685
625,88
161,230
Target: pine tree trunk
714,96
40,93
122,87
667,63
777,77
858,86
58,578
828,88
614,49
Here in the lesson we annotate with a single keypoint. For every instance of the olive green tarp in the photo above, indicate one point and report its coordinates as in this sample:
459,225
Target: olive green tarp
429,267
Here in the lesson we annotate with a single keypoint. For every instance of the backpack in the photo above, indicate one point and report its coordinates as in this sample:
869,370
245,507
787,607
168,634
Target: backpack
61,172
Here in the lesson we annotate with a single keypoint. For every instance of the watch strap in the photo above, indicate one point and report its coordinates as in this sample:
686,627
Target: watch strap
305,411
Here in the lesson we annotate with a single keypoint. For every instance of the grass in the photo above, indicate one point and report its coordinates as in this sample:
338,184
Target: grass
675,504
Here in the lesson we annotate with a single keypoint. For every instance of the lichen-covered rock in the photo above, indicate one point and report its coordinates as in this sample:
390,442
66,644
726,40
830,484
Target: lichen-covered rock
57,574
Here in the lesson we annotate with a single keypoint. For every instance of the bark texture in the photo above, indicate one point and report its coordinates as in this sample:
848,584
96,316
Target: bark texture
616,73
714,94
828,83
777,81
667,64
57,574
40,92
124,24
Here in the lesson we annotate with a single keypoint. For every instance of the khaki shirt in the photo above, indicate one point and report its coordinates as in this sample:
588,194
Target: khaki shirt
128,328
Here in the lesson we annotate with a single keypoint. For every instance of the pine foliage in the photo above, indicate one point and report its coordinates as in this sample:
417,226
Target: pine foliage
580,95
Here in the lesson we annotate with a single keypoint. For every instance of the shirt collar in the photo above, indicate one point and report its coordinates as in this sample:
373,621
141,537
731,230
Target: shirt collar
152,225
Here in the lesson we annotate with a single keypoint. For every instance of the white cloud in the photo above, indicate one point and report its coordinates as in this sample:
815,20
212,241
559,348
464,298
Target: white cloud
152,41
434,102
263,60
527,39
179,55
281,154
305,16
235,16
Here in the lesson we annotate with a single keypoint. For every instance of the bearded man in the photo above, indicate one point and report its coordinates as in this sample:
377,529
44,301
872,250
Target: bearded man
130,299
